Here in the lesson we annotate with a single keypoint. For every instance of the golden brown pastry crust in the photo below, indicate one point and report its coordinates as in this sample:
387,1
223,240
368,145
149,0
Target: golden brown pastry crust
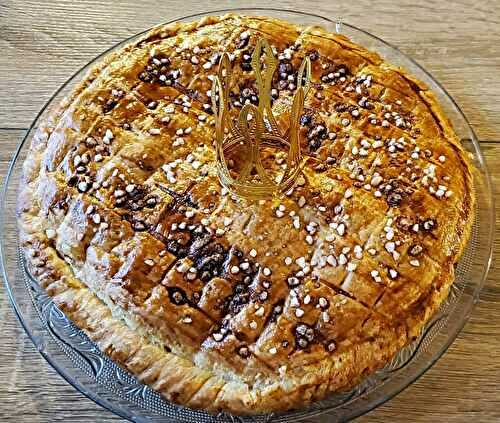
223,305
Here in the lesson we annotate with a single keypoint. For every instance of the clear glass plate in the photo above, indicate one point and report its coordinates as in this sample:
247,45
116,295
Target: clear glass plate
80,362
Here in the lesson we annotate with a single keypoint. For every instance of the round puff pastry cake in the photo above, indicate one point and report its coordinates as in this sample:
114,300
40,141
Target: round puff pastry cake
225,304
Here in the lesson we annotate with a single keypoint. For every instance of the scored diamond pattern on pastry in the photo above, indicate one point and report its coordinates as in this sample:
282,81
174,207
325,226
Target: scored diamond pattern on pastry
226,304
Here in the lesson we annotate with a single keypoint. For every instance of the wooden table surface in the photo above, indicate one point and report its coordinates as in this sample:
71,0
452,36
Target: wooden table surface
43,43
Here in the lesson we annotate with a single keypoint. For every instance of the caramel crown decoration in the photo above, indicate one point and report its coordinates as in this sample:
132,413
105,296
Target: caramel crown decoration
256,127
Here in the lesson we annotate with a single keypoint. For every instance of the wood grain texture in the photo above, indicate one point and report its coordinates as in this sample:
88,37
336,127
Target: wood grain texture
43,43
